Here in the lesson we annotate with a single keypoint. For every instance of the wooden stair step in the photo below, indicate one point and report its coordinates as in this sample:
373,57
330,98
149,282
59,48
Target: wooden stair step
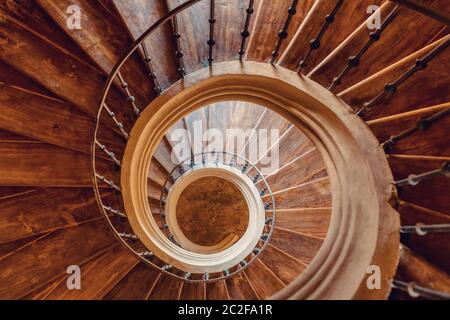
305,167
430,193
339,30
193,291
50,256
314,194
32,17
138,16
313,221
217,291
263,281
66,76
167,288
51,121
433,245
220,116
99,276
266,25
239,288
400,41
299,246
45,210
291,145
413,267
104,40
433,142
282,265
31,164
427,87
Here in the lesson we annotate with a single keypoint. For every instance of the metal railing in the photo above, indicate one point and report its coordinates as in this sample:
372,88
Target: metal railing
113,211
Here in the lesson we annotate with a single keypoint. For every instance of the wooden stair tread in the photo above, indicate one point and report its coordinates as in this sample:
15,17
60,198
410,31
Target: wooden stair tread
29,164
239,288
336,33
398,38
428,87
313,221
429,193
217,291
99,276
49,257
262,280
283,266
166,288
45,210
301,247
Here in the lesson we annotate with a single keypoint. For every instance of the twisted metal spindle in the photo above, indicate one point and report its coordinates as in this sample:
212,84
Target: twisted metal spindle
391,88
211,42
146,254
115,212
416,291
152,73
423,124
245,33
108,182
118,124
179,53
415,179
374,36
109,153
128,235
314,44
423,229
167,267
283,33
130,97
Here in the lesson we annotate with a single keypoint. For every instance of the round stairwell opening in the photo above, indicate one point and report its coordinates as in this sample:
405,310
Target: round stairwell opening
212,212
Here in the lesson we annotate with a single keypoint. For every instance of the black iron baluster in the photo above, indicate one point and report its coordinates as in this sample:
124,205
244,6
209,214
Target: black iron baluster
314,44
245,33
179,53
130,97
423,124
283,33
416,291
152,73
391,88
423,229
211,42
374,36
415,179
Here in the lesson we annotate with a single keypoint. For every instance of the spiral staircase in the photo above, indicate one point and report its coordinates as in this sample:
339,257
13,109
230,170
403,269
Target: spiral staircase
91,118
